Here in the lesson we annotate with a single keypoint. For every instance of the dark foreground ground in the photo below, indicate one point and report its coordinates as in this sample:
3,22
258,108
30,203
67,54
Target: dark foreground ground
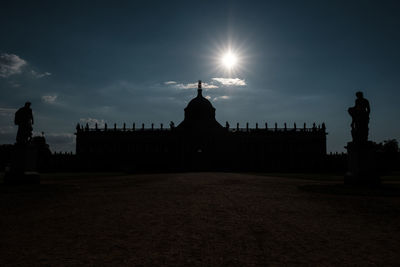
200,219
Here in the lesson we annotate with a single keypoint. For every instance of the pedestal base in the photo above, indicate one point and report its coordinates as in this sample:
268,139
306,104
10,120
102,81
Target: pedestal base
362,167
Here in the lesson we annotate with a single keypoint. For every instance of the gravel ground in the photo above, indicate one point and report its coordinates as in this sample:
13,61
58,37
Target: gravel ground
198,219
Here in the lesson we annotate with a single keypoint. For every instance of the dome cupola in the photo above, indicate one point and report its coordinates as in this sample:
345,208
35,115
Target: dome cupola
199,113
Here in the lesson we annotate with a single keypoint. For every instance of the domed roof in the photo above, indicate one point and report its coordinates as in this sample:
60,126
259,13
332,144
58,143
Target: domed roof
199,113
200,102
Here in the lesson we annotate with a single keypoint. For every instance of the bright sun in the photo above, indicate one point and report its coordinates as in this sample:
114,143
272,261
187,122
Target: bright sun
229,60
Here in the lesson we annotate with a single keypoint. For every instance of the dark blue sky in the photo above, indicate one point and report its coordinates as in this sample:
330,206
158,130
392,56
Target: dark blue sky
134,61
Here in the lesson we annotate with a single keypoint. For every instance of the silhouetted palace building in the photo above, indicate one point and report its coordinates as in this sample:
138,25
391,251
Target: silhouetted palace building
199,142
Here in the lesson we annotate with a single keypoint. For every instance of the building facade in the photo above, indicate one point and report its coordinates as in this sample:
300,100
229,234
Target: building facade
199,143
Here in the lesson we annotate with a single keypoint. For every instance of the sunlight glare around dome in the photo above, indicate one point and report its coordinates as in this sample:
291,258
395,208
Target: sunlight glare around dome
229,60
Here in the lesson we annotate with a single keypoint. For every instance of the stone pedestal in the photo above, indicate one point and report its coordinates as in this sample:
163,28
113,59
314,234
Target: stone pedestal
362,164
24,165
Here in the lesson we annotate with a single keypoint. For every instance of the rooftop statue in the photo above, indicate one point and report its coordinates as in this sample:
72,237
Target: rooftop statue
360,118
24,120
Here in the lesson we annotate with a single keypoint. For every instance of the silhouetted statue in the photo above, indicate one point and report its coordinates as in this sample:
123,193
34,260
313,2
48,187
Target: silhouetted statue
361,153
24,120
360,118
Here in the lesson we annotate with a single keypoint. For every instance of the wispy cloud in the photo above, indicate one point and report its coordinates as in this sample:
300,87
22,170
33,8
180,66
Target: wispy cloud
224,97
170,82
230,81
10,64
51,99
209,86
204,85
40,75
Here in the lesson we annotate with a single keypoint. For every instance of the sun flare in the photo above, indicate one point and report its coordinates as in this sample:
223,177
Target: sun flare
229,60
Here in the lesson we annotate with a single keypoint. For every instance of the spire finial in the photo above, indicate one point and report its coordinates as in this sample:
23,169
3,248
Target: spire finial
199,88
